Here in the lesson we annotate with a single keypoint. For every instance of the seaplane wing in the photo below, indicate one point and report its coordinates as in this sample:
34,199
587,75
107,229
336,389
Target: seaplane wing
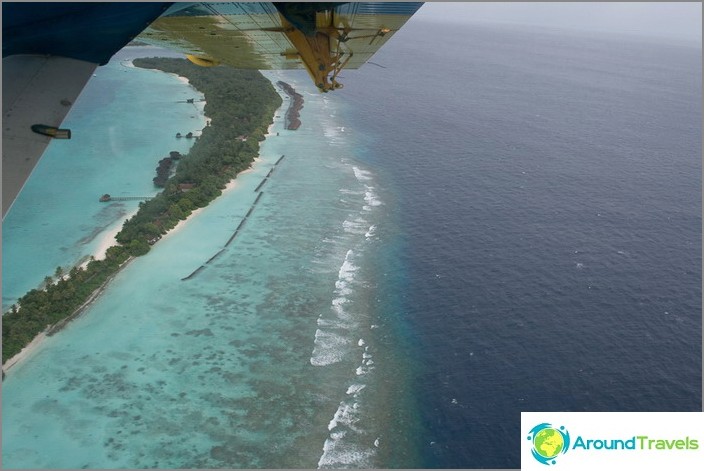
50,51
322,38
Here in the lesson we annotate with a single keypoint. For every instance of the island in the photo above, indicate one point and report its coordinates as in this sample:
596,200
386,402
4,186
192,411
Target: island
239,103
293,114
163,172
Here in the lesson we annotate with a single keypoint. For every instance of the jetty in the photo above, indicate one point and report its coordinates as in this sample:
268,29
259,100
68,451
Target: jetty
106,198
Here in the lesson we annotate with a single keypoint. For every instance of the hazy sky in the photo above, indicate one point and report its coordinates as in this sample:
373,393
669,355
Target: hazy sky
671,19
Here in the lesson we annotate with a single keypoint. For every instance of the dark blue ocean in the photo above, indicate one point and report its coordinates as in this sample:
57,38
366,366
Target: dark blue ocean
485,220
548,253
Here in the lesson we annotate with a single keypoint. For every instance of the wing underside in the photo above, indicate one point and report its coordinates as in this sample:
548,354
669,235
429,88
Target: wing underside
320,37
50,50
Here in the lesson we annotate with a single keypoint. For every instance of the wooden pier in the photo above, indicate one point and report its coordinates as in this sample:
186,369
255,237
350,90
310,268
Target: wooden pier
108,198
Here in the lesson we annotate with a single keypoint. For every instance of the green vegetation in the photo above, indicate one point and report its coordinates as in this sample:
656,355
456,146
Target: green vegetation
241,103
57,301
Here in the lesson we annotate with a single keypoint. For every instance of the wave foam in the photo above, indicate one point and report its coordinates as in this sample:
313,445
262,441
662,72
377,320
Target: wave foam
346,414
327,348
355,227
371,198
362,175
355,388
338,454
342,448
348,268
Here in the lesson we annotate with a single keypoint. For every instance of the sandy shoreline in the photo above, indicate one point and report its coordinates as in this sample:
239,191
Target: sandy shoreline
31,348
107,240
25,352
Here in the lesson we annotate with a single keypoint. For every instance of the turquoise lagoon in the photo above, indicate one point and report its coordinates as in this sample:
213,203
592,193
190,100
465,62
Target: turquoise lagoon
124,122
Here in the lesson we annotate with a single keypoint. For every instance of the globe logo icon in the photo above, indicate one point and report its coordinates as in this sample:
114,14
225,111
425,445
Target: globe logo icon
549,442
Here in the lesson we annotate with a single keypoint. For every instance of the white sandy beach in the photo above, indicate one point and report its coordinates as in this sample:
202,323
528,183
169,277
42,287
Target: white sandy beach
24,353
107,240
